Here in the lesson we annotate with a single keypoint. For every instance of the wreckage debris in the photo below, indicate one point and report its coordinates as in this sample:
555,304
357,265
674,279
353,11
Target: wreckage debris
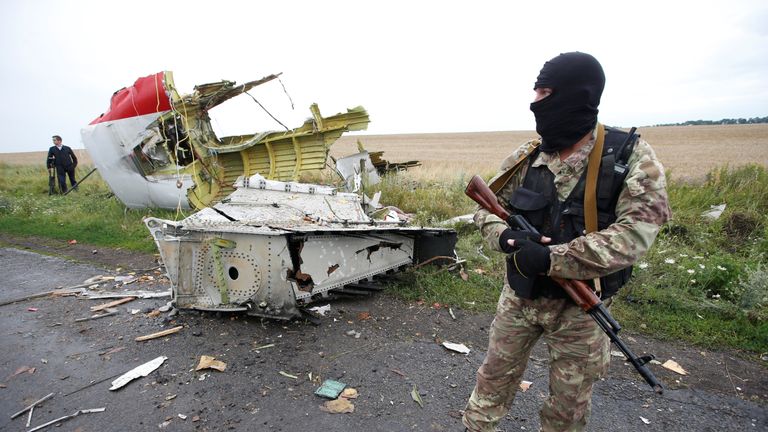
330,389
32,406
459,348
71,416
157,148
323,239
159,334
137,372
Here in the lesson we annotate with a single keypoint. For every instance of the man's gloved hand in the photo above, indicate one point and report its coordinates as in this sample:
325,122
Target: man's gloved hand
510,234
531,257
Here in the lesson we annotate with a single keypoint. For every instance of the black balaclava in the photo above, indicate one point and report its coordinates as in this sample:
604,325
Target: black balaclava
570,112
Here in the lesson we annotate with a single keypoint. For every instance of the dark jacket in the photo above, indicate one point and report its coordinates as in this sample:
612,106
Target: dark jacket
61,159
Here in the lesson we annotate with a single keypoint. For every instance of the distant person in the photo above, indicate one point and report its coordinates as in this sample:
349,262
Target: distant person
64,160
545,181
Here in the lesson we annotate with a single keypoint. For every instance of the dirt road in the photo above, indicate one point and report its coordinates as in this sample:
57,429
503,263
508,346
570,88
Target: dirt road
380,346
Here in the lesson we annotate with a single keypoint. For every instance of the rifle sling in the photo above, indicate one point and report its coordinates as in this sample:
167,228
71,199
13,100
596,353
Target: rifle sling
590,190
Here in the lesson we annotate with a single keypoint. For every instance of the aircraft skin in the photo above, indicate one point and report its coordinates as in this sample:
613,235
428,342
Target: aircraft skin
156,148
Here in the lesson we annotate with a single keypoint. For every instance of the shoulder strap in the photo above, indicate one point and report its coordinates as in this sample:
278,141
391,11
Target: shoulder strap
504,178
590,190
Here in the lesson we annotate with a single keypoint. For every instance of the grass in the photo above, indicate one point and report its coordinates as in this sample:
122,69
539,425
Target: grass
704,282
89,215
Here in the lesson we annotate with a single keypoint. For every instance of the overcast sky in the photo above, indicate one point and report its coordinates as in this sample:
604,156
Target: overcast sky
417,66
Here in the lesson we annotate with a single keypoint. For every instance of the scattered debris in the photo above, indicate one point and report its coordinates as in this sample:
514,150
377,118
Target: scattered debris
645,420
125,280
139,371
330,389
264,346
350,393
617,353
525,385
109,312
34,404
416,396
159,334
714,212
450,312
459,348
208,362
32,309
171,397
61,419
287,375
674,367
321,310
64,291
338,406
399,373
463,274
165,308
463,219
362,316
112,351
112,304
22,370
353,333
137,294
72,242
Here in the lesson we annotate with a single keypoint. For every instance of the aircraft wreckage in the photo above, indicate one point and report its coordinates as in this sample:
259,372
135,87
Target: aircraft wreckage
261,243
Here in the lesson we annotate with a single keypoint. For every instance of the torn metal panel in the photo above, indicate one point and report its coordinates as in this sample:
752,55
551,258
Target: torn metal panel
156,147
272,247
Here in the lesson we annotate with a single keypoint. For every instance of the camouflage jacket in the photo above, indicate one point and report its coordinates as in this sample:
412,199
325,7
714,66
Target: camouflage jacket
642,207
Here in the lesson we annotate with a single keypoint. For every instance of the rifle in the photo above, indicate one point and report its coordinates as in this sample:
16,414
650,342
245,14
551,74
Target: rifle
577,290
51,176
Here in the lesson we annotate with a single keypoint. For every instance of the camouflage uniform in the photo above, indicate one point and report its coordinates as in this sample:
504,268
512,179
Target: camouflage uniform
578,349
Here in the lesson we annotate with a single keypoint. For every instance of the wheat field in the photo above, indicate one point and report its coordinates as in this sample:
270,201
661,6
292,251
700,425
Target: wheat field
687,152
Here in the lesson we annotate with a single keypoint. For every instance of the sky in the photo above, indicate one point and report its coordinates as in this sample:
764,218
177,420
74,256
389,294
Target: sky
416,66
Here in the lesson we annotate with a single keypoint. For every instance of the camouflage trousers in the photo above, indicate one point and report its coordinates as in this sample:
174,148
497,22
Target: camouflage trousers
578,356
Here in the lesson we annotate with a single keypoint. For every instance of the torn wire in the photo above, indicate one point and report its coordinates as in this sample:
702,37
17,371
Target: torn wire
286,92
265,110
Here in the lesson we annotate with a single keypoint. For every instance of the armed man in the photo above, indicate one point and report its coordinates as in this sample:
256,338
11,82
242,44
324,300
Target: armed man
594,224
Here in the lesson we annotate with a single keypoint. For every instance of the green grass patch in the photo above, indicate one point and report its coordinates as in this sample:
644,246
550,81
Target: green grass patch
90,214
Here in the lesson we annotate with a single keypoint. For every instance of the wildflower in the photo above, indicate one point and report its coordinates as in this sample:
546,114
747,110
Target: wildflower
691,271
721,268
643,265
702,266
669,261
698,257
693,281
684,255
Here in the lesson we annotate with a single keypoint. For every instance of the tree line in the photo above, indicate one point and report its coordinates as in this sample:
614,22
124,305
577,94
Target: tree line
751,120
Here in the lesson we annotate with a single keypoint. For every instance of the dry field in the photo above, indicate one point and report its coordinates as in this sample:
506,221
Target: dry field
689,152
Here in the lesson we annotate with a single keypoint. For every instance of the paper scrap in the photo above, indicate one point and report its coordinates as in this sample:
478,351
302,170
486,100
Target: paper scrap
338,406
525,385
674,367
208,362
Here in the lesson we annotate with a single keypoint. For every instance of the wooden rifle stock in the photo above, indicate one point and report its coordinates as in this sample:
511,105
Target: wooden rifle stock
577,290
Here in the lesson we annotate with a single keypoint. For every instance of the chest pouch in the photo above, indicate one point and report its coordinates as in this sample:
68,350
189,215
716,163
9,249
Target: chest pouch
534,206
